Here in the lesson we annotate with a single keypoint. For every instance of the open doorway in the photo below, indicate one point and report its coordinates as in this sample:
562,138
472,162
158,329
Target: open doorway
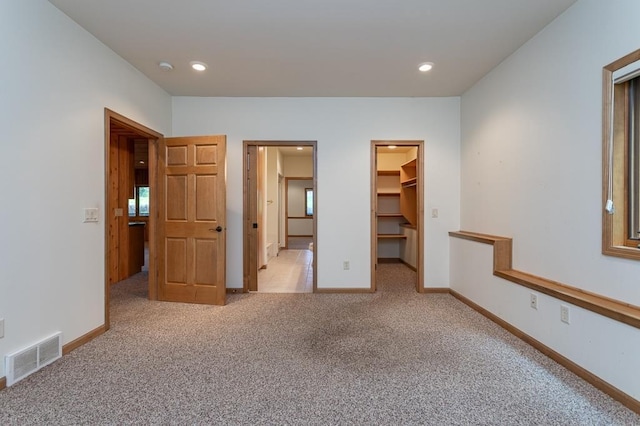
280,216
397,212
183,194
139,209
130,165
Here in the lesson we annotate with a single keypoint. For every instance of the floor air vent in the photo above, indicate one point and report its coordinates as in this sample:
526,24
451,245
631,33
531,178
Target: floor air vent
19,365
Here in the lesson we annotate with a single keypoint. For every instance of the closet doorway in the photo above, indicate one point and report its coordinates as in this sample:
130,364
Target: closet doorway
397,210
280,216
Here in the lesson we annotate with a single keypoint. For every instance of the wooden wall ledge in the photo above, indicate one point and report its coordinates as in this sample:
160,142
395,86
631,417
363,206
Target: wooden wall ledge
502,267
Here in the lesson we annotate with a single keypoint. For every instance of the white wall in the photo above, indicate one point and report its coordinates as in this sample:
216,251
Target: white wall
408,246
296,196
531,169
282,219
272,195
56,81
261,162
296,202
344,128
298,166
391,161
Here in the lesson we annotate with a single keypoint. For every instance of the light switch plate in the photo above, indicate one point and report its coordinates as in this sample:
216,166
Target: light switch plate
91,214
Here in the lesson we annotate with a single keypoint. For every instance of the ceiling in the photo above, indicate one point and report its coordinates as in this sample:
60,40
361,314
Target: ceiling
292,151
314,48
397,150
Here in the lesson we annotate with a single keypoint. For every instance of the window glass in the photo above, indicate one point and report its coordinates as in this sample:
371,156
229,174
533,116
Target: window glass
132,206
308,200
143,201
633,141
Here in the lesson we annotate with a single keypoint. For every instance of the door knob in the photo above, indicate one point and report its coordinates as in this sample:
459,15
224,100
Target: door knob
217,229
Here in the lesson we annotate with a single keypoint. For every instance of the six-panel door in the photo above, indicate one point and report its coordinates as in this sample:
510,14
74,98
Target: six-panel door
192,206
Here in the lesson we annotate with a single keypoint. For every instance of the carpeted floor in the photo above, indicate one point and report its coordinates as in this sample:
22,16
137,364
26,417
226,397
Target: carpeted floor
393,357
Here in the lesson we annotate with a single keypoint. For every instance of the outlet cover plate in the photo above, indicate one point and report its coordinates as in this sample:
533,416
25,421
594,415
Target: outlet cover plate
534,301
564,314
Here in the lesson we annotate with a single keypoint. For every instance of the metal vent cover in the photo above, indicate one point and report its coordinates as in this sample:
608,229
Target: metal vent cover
24,362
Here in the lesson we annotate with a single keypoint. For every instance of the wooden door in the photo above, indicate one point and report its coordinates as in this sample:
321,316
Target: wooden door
192,222
251,218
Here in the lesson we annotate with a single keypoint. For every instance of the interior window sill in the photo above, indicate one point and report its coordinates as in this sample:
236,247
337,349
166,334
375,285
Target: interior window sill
632,253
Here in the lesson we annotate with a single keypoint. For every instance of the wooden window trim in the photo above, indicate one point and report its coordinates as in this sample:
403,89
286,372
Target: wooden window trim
615,241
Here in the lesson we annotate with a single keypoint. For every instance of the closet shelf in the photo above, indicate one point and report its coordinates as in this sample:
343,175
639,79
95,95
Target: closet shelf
409,182
392,236
408,190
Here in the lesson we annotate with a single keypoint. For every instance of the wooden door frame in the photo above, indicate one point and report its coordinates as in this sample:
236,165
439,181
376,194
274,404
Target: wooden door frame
282,218
419,205
113,120
248,250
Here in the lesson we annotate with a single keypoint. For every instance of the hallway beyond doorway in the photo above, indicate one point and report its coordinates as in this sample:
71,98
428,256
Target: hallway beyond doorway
289,272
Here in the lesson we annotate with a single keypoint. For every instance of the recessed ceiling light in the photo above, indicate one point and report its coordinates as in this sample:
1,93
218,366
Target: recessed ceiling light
198,66
299,148
392,147
165,66
141,162
425,66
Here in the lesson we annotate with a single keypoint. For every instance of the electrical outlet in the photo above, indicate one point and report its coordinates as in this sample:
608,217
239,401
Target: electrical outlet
564,314
533,302
434,213
1,328
345,265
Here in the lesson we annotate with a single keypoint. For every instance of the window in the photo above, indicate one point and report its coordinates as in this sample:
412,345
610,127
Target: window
621,148
308,201
632,90
139,206
132,207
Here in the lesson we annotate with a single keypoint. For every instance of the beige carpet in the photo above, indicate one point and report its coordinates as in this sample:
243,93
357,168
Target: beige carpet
393,357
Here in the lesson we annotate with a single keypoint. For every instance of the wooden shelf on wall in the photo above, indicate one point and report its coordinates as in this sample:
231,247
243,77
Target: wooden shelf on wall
408,170
408,194
392,236
410,182
391,215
